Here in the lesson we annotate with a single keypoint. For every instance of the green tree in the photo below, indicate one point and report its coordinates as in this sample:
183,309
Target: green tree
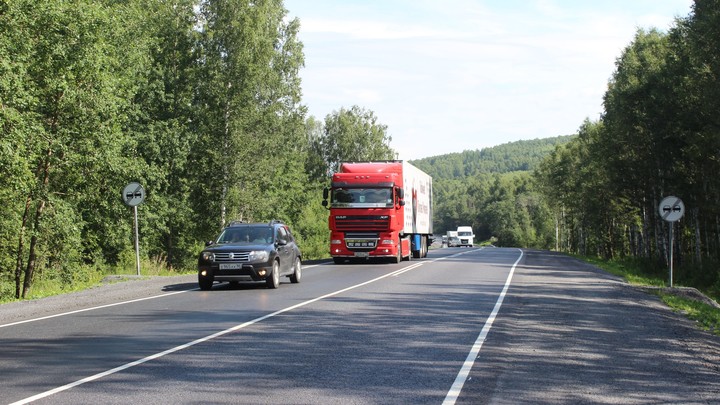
252,138
353,135
69,93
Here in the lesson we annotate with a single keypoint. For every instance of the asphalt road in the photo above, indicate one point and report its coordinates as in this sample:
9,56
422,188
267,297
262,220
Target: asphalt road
467,326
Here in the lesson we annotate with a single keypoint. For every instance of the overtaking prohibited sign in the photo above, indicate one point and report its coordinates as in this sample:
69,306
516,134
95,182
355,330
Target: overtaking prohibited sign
671,208
133,194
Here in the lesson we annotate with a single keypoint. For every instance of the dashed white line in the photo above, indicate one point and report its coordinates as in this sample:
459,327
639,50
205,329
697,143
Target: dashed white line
193,343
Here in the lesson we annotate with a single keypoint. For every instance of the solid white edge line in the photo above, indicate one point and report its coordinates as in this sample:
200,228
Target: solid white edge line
193,343
92,309
462,376
110,305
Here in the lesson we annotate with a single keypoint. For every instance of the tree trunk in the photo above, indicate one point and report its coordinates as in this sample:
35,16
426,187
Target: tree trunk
21,246
32,254
30,269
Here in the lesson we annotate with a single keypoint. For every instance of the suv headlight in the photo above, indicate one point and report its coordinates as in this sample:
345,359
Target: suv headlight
208,256
258,256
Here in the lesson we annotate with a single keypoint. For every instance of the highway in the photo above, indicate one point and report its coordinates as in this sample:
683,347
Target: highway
464,325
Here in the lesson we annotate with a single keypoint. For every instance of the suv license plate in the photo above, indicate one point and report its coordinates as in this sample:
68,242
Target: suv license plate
362,254
230,266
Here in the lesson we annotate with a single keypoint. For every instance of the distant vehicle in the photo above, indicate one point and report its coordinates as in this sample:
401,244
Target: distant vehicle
251,252
444,239
452,239
465,233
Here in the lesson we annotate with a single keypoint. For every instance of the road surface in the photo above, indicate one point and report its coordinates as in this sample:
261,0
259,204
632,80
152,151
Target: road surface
464,325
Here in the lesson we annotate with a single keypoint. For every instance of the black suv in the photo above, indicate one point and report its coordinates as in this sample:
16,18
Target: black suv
251,252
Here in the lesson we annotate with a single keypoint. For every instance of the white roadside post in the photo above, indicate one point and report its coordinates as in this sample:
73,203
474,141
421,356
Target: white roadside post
671,209
133,195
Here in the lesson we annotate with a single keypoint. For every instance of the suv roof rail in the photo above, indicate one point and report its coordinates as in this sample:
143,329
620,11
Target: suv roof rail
276,221
232,223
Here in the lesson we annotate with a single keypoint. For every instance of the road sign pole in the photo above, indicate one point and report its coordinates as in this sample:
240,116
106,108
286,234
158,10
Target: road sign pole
672,225
671,209
137,242
133,195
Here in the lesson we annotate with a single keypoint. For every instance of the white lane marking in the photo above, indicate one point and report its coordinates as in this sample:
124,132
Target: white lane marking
462,376
408,268
93,308
110,305
193,343
458,254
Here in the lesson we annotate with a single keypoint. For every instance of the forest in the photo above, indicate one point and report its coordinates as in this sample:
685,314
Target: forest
201,103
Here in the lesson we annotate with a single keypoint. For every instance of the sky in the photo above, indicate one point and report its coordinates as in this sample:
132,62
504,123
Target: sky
455,75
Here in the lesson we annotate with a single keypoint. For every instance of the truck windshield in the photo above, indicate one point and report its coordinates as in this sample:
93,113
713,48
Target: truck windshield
362,198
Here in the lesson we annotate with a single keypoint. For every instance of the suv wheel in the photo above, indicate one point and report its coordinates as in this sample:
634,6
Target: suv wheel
297,271
205,282
274,280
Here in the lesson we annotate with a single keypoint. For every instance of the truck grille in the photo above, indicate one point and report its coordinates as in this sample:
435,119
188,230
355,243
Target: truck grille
362,222
361,242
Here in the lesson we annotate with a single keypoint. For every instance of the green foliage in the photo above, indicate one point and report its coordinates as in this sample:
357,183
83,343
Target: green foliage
658,137
201,103
510,157
707,316
351,135
311,228
494,191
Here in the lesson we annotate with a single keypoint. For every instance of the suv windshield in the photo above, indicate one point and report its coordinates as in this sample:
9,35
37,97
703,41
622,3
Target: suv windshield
247,235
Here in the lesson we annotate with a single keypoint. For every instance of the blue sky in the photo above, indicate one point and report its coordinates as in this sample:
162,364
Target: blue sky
448,76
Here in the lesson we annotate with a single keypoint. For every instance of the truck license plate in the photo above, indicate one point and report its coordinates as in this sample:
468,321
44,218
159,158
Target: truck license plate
362,254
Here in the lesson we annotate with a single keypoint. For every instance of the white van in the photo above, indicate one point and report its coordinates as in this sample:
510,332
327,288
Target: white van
465,233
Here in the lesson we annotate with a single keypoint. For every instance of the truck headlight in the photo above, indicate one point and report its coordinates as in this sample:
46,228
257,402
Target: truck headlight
208,256
387,242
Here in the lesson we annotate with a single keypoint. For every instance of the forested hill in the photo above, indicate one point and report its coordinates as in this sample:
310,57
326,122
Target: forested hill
508,157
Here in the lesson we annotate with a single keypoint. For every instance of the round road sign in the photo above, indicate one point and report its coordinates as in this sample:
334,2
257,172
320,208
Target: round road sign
671,208
133,194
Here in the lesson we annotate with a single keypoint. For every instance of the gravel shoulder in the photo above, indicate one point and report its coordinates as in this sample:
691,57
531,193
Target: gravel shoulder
113,289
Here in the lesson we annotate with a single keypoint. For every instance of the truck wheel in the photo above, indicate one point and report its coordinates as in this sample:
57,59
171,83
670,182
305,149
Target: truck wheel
409,253
398,256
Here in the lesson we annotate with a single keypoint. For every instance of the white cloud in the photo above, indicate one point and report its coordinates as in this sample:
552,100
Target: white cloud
456,75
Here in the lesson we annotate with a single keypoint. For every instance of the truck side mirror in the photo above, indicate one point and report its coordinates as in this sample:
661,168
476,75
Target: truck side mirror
400,193
326,193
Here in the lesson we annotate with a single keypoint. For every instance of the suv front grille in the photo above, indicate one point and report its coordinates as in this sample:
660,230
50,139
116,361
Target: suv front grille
232,256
